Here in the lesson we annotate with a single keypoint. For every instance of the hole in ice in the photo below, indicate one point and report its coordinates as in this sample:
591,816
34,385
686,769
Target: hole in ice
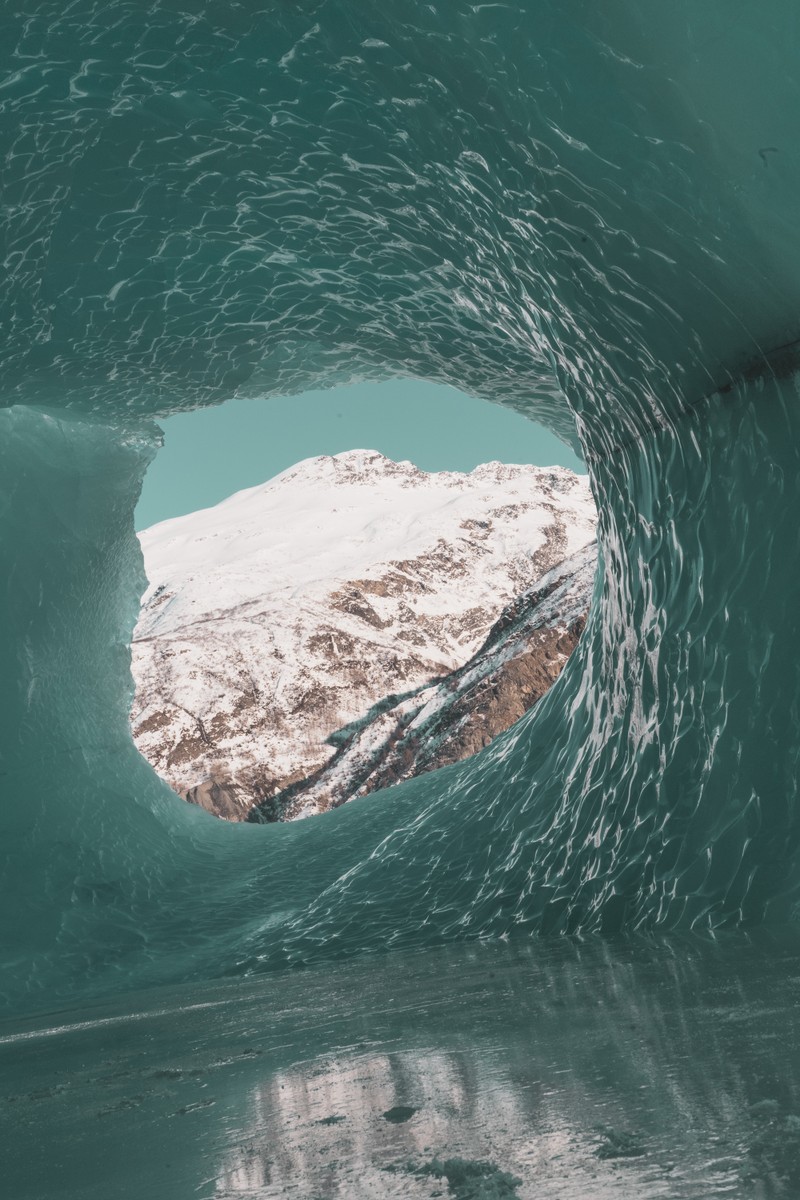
354,616
399,1114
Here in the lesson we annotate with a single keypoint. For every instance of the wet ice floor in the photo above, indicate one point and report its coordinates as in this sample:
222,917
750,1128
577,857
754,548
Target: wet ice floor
666,1068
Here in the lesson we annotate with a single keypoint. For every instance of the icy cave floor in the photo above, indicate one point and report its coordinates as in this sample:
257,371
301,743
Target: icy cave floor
666,1067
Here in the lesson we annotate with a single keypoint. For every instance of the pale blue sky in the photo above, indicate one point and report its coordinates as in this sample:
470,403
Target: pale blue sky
210,453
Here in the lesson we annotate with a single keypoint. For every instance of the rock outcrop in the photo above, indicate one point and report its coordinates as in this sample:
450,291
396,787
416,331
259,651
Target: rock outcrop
455,717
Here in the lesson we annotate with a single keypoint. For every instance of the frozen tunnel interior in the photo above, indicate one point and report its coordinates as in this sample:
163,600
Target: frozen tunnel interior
586,215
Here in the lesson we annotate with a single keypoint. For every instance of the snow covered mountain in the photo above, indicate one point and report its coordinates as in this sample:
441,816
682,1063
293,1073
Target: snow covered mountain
289,610
454,717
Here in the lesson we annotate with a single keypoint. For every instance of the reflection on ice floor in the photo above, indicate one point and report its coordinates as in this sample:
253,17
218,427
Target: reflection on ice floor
661,1068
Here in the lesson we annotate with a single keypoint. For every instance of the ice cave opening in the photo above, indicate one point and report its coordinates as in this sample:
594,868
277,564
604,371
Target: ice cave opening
322,622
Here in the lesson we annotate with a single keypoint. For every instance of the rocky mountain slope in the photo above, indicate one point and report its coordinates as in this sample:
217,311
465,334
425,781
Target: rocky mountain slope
289,610
456,716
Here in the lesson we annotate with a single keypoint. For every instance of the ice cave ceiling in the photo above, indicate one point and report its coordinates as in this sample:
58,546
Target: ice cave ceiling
588,212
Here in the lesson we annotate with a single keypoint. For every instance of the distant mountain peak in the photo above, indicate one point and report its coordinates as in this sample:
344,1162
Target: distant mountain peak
288,610
350,466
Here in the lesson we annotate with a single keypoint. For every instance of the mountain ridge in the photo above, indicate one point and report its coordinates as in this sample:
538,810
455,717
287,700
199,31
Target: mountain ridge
289,609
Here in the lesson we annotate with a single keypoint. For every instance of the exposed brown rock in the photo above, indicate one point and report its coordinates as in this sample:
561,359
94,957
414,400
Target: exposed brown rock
461,713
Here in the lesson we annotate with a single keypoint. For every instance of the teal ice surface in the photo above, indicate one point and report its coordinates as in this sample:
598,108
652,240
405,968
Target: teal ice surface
515,198
585,212
640,1069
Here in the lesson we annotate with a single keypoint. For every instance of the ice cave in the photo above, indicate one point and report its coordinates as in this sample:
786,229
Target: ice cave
564,968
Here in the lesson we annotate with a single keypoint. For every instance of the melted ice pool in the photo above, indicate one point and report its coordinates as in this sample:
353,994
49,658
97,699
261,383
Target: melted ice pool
660,1068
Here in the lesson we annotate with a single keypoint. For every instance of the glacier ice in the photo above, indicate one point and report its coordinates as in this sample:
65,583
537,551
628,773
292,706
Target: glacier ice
589,213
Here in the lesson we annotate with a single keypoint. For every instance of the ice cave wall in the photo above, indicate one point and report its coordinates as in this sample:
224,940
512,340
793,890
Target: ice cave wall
586,213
